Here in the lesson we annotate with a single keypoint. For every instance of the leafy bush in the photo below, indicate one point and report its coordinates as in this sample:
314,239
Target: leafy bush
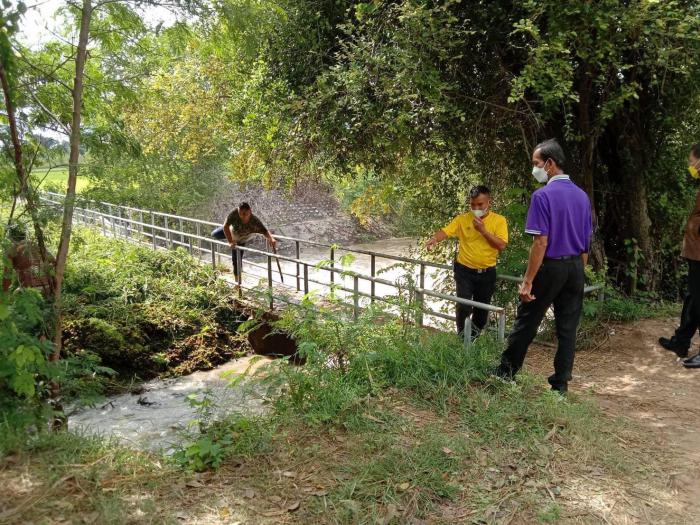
348,361
24,366
144,311
213,441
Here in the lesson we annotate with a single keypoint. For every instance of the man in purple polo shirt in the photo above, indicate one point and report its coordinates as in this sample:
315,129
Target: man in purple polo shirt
559,219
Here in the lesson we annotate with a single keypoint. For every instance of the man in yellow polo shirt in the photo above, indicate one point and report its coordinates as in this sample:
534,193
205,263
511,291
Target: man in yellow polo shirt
482,235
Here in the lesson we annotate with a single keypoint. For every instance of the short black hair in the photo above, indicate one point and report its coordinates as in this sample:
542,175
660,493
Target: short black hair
244,206
695,150
550,149
479,190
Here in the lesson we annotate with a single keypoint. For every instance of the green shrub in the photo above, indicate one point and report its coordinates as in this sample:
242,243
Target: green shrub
146,312
24,366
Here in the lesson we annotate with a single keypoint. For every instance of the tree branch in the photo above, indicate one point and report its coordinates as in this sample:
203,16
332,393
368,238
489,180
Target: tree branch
53,117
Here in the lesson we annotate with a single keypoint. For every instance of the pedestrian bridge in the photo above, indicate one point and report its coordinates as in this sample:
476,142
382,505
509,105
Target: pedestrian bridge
353,277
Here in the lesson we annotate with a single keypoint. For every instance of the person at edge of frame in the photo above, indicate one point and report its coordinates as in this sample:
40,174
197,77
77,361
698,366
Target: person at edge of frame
690,317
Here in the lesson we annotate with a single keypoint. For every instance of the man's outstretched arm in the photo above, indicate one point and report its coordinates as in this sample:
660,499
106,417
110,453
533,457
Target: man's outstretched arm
437,237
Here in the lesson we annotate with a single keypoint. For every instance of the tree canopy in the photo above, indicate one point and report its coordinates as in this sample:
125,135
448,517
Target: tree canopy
399,106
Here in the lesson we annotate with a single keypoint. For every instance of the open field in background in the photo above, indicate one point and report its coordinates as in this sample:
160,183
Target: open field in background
57,177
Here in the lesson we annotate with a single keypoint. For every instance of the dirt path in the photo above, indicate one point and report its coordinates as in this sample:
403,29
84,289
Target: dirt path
632,377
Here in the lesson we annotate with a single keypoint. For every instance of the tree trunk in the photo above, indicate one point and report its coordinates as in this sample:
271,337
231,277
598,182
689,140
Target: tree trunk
587,159
628,226
73,166
22,175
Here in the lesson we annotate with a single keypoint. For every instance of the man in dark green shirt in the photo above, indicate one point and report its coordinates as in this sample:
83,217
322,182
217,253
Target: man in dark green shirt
239,227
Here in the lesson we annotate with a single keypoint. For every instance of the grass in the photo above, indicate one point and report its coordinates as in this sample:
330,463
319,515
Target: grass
431,442
385,423
57,178
61,475
146,310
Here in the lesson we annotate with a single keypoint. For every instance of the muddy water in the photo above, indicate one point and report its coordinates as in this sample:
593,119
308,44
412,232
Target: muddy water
157,416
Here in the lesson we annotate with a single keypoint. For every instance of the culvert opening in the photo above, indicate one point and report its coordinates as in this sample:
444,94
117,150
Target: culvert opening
265,339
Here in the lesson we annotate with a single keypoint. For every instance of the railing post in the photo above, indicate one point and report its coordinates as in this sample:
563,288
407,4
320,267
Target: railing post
213,254
168,238
199,240
141,224
239,277
182,232
306,279
104,229
355,297
153,230
269,279
332,265
111,220
419,307
373,270
298,254
502,326
420,298
467,333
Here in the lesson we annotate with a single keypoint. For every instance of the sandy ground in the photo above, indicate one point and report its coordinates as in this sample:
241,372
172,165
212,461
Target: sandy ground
632,377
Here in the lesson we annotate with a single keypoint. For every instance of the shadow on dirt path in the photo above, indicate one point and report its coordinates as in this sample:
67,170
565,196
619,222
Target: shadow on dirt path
632,377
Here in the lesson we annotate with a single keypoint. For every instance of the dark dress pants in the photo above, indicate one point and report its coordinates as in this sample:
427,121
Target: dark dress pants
475,286
693,308
234,258
685,332
559,282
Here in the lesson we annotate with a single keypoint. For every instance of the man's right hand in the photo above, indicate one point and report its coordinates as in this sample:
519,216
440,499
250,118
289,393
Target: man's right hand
232,244
430,244
525,292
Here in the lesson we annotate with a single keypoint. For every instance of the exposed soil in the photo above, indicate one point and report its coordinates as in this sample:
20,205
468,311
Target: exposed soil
632,377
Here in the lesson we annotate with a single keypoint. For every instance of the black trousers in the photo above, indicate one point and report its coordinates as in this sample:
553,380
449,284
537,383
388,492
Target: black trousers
477,287
561,283
692,309
234,259
689,324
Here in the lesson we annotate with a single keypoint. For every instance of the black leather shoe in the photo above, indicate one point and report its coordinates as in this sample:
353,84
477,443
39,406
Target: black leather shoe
562,389
693,362
673,346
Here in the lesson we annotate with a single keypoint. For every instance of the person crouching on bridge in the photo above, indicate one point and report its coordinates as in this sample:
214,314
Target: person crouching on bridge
239,227
560,222
482,234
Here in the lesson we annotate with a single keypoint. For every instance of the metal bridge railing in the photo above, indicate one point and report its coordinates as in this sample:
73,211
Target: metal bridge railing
167,231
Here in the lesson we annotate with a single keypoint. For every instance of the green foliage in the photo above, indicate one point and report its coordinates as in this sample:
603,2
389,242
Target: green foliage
552,514
145,312
346,362
213,441
24,366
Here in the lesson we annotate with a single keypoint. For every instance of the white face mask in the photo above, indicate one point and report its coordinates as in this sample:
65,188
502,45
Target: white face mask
540,174
480,213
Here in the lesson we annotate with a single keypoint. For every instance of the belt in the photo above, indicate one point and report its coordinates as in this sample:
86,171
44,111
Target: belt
477,270
563,258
